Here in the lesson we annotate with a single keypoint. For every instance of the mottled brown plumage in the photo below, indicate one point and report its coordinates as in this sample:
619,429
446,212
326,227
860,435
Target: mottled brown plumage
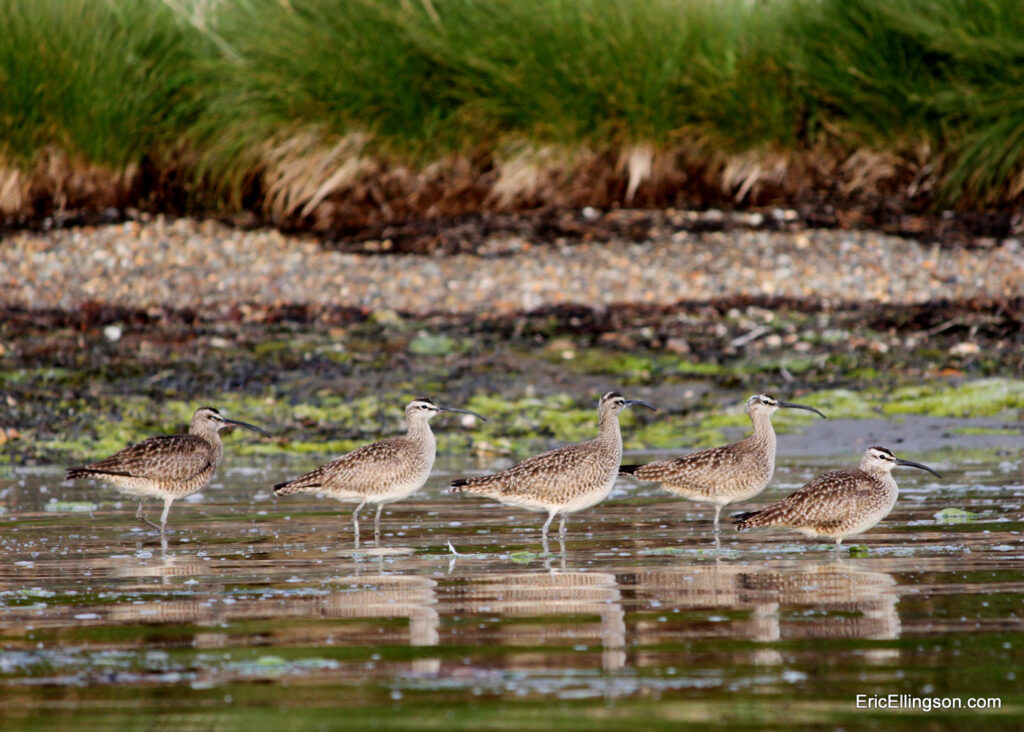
838,504
380,473
166,466
564,480
726,474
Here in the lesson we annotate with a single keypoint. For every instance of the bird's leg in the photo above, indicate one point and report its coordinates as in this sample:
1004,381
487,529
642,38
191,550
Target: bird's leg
561,529
355,521
544,532
718,511
163,516
376,526
143,519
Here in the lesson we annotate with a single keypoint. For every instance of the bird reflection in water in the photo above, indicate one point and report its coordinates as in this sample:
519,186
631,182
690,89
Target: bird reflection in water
392,596
544,595
848,602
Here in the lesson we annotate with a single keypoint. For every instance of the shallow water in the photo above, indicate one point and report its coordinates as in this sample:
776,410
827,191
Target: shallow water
258,611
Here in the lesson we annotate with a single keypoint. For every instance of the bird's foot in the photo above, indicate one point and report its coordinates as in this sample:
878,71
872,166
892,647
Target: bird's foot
151,524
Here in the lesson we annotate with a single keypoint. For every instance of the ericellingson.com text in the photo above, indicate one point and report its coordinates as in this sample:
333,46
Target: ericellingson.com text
926,703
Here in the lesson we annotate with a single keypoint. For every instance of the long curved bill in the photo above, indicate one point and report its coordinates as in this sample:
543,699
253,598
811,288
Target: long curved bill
791,405
462,411
640,403
919,466
246,425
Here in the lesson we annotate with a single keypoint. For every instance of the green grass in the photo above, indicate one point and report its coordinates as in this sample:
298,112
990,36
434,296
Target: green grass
247,85
102,81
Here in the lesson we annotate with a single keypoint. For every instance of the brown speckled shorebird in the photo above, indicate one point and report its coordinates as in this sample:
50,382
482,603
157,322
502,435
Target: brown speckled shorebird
564,480
838,504
382,472
726,474
166,466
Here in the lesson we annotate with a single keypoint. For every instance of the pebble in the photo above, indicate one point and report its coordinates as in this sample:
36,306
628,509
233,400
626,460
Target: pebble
185,263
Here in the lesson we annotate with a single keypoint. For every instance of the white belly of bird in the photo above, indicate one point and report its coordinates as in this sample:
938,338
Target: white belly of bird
717,500
392,494
135,487
399,493
865,524
586,500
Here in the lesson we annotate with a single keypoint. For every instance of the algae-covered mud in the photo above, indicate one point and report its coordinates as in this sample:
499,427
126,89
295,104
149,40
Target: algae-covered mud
76,384
257,612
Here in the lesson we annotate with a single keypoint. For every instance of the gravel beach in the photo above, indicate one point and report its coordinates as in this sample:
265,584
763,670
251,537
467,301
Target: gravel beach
184,263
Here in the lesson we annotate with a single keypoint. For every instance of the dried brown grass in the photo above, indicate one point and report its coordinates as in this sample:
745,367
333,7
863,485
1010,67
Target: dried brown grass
308,180
57,184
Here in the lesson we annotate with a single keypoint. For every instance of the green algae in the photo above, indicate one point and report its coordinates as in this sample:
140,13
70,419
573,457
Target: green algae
333,424
70,507
971,430
953,515
524,557
981,398
429,344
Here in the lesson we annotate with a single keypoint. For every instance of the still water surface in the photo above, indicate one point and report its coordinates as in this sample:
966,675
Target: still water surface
257,611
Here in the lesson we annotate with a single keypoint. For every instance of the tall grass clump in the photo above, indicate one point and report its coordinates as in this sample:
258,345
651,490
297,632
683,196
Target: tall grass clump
420,79
312,72
945,76
599,71
433,76
102,80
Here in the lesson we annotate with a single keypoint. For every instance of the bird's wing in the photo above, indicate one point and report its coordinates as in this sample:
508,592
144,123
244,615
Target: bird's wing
362,470
824,501
548,469
694,471
165,457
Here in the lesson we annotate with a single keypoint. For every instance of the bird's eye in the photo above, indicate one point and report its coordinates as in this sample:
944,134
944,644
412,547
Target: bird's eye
424,406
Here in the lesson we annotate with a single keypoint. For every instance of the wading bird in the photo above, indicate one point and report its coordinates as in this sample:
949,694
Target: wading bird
726,474
564,480
166,466
838,504
379,473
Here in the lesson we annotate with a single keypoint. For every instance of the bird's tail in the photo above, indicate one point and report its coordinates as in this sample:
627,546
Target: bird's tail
751,519
481,485
629,469
86,471
303,484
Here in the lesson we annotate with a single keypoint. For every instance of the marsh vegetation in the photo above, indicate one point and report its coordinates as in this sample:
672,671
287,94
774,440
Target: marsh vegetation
333,114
